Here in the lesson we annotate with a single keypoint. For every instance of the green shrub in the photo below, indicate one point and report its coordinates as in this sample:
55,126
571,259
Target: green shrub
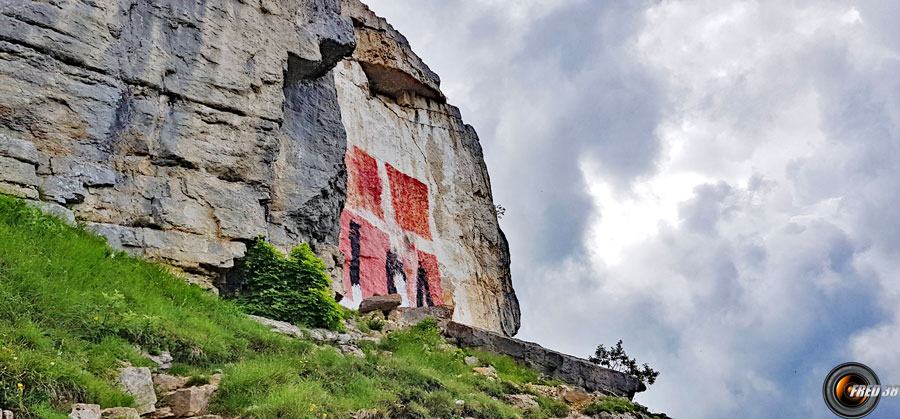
427,326
375,324
554,408
293,289
610,405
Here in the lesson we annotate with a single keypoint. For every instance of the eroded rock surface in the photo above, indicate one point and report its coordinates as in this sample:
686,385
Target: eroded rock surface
419,219
179,130
566,368
182,131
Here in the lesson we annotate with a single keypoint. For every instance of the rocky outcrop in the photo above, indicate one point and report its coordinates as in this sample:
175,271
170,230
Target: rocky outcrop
181,131
564,367
419,219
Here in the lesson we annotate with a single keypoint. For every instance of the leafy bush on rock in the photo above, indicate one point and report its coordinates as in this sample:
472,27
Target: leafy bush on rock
293,289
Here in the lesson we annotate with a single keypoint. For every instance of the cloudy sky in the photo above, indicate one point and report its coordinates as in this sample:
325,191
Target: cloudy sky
716,183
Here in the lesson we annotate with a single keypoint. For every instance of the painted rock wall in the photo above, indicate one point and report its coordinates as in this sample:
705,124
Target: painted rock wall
183,129
419,218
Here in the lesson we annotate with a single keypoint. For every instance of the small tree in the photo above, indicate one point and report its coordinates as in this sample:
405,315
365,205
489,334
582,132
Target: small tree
615,358
293,289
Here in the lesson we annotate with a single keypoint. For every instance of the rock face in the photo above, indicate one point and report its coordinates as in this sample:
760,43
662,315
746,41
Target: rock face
183,130
567,368
419,218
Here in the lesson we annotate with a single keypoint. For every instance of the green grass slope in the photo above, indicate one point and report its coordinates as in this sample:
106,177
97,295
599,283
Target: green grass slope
71,309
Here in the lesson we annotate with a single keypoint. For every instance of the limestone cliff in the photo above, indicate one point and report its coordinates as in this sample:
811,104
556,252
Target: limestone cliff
181,130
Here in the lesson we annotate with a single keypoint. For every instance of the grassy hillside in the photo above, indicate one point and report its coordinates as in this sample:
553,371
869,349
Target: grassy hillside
71,309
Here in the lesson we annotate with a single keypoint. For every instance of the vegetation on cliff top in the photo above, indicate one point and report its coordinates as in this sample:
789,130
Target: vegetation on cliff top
71,309
616,358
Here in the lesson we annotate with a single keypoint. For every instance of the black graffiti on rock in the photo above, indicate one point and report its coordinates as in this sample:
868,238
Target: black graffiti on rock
393,268
422,289
354,253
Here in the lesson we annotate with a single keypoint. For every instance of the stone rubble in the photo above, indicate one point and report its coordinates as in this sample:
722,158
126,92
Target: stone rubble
163,361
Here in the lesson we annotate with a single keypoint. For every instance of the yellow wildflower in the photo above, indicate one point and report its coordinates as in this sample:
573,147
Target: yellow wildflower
96,318
20,386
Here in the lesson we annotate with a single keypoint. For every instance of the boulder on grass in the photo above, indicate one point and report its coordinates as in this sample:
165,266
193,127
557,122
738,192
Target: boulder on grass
138,382
380,302
191,401
85,411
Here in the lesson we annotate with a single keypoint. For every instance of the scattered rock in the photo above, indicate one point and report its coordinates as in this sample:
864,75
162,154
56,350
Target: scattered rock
472,361
120,413
6,414
160,413
365,414
380,303
280,326
138,382
460,402
546,391
488,371
371,339
352,350
374,315
521,401
191,401
163,361
573,395
166,383
85,411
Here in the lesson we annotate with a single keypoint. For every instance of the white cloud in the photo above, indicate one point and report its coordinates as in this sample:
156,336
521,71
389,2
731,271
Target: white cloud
715,183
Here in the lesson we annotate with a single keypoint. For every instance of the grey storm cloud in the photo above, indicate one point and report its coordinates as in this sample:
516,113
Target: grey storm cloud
779,123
